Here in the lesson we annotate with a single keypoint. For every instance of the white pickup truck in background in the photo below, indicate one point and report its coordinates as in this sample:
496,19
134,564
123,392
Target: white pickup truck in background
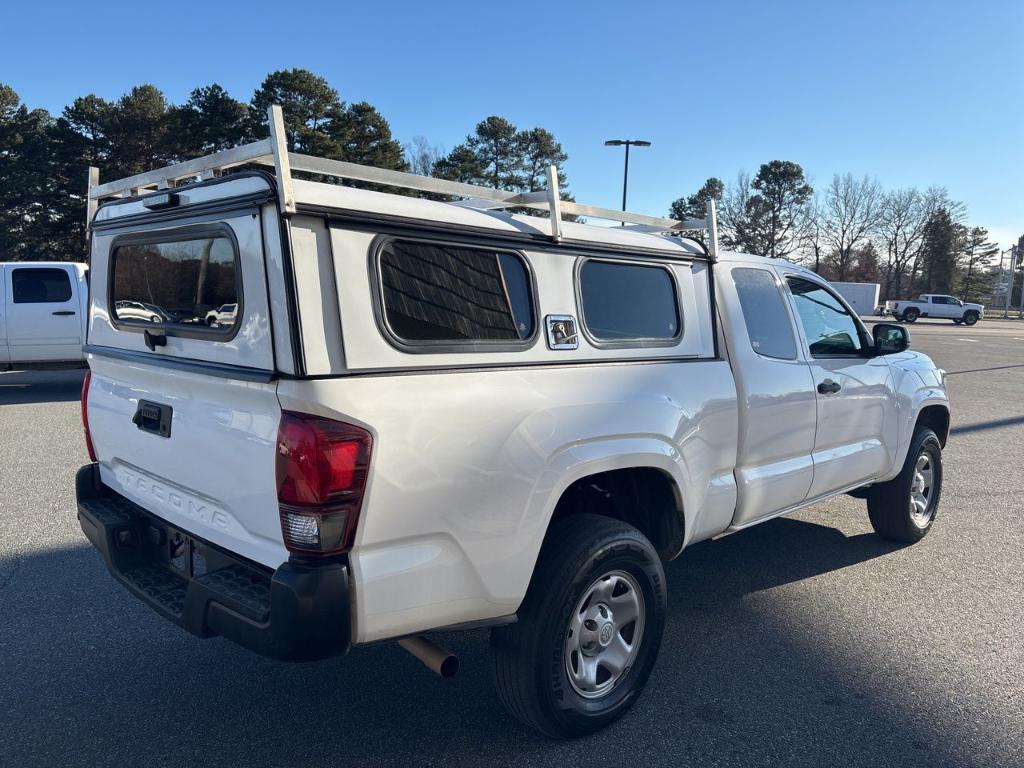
936,305
43,306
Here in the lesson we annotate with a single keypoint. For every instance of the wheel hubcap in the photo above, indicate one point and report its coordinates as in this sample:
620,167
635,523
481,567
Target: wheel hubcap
921,491
604,634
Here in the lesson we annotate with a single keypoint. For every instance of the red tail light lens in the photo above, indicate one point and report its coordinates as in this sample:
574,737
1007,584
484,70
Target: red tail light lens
321,475
85,416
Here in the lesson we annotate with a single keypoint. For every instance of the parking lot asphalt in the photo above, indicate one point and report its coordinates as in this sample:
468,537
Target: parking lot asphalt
805,641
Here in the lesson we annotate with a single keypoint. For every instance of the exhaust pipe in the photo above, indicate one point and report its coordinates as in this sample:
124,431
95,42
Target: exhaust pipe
434,657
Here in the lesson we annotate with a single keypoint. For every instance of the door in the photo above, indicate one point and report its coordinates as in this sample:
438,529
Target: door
856,436
43,320
945,307
774,468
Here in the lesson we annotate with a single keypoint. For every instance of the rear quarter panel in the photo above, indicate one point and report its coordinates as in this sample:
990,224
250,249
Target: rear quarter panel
467,468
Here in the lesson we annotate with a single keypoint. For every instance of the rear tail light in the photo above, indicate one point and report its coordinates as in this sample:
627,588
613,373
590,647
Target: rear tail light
85,416
321,475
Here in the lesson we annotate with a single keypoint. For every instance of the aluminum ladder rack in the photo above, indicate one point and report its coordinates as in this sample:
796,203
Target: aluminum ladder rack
273,151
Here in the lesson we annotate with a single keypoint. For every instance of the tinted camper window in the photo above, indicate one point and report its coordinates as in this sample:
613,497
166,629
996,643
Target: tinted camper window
187,283
445,293
628,302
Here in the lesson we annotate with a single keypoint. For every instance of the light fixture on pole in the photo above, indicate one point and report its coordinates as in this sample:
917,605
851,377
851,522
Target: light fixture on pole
627,143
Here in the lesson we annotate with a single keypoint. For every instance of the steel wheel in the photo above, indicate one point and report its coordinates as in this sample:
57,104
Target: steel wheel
604,634
921,508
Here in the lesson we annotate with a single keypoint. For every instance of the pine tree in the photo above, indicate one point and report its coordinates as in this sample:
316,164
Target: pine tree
772,216
938,253
975,280
211,120
309,106
363,136
695,206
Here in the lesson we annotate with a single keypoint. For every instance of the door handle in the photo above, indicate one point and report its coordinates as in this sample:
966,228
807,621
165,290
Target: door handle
829,387
64,312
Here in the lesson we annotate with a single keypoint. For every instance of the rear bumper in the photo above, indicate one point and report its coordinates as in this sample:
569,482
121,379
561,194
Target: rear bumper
300,612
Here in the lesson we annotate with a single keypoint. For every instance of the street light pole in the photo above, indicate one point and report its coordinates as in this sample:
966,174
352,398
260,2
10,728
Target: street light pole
1011,280
627,143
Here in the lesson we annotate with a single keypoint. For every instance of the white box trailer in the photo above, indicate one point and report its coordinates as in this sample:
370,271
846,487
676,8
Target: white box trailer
862,297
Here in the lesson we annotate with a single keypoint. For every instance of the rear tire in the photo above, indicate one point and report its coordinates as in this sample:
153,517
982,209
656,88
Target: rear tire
569,667
911,315
970,318
904,508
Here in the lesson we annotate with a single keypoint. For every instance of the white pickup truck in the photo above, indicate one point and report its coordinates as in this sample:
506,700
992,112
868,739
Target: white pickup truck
43,306
935,305
423,415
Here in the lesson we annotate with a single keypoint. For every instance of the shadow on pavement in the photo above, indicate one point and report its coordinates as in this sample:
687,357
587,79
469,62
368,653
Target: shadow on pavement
984,370
89,676
57,386
982,426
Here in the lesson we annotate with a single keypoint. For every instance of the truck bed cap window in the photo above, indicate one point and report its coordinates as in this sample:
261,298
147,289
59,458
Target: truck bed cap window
628,302
187,283
440,293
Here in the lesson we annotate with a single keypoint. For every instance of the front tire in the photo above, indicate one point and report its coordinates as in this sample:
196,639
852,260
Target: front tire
911,315
970,318
588,631
904,508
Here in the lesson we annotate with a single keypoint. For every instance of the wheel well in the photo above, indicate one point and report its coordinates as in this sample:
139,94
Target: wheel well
644,497
936,418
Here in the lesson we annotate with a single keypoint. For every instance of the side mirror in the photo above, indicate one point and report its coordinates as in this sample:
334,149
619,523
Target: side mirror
890,338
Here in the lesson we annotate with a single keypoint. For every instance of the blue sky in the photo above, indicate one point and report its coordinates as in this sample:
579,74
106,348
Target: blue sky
914,93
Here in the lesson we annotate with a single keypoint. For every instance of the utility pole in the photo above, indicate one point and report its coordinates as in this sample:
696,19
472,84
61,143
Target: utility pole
1002,278
1009,283
1019,258
627,143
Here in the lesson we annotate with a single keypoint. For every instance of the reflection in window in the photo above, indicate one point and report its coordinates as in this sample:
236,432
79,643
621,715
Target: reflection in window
436,292
190,283
829,328
628,302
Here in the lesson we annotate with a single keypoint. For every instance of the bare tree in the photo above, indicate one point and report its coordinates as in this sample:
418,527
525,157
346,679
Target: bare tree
851,208
812,233
421,155
733,208
901,228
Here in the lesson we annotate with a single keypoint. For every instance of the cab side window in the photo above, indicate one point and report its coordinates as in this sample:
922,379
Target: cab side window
40,285
764,313
830,329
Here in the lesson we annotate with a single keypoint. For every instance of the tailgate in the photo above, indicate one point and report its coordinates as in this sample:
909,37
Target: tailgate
213,473
182,406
